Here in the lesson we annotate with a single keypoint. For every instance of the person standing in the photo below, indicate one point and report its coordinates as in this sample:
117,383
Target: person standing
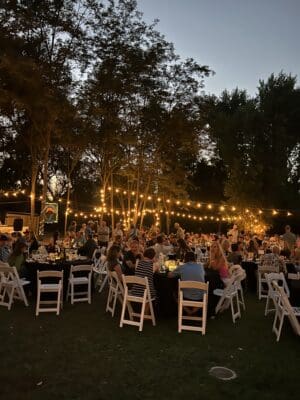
103,234
118,231
233,234
289,239
179,231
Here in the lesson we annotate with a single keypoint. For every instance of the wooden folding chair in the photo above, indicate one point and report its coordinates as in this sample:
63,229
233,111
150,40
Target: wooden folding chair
284,308
239,275
116,292
101,271
197,304
278,277
6,286
144,300
262,288
294,276
11,286
49,287
229,297
75,280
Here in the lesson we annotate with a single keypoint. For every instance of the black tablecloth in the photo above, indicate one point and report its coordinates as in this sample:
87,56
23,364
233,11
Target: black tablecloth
166,294
250,268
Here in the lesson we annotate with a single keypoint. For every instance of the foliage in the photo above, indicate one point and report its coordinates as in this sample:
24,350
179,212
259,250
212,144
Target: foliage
91,96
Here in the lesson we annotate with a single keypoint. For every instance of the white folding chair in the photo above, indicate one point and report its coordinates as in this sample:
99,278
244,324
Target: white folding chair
75,280
239,275
144,300
284,308
229,297
96,257
101,271
262,287
11,286
294,276
278,277
116,292
49,287
197,304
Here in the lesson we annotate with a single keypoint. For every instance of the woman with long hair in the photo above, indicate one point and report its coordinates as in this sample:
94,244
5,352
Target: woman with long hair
113,260
218,261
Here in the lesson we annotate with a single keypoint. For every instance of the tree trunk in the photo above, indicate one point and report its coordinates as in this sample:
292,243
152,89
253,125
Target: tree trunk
34,172
112,205
67,205
45,181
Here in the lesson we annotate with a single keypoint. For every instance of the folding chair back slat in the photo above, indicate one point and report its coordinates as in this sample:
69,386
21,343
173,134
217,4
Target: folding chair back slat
76,280
46,287
192,306
287,310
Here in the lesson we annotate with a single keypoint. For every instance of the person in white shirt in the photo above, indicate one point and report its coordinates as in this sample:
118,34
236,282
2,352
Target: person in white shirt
233,234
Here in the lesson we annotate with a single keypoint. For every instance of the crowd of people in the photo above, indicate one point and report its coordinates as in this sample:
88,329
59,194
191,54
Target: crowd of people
142,252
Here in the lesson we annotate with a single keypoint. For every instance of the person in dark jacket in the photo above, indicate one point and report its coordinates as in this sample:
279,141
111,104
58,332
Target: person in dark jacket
88,248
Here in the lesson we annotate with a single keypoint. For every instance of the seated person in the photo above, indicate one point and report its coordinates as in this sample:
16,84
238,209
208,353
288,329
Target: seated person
226,246
218,261
17,259
72,230
31,241
131,257
118,241
273,259
160,247
296,259
113,260
146,269
235,256
4,248
190,271
52,246
88,248
80,239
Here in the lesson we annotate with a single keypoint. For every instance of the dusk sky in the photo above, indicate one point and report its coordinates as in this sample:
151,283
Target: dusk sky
241,40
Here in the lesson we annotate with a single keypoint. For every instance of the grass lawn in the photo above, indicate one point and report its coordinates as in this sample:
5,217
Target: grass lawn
83,354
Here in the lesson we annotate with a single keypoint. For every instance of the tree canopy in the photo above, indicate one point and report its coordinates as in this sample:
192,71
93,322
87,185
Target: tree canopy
92,97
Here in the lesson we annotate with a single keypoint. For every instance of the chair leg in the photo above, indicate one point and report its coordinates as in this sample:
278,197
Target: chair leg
72,292
242,297
114,303
180,311
22,295
204,316
232,310
37,304
108,299
123,310
58,302
152,313
103,283
68,291
142,314
280,327
10,293
267,306
89,292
